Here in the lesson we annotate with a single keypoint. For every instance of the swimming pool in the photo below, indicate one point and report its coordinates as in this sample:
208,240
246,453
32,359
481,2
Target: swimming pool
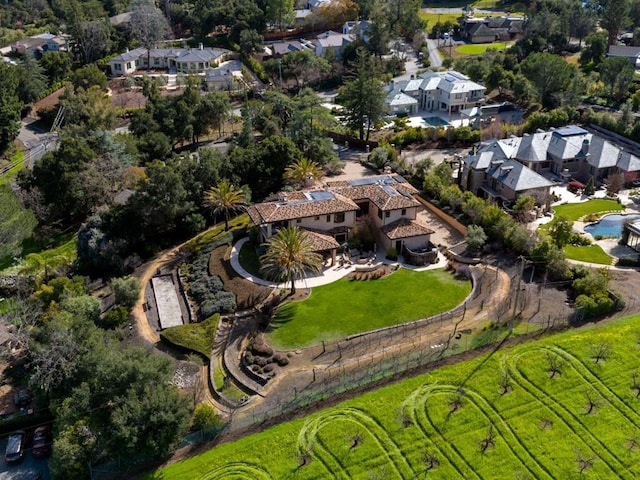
610,225
435,121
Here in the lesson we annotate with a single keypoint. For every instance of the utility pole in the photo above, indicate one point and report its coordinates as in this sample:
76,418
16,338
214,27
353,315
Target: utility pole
515,303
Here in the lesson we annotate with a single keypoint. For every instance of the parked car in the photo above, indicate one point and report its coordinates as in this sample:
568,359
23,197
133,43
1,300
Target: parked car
15,447
42,440
22,398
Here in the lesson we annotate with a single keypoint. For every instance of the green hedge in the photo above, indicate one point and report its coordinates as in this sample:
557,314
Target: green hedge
193,337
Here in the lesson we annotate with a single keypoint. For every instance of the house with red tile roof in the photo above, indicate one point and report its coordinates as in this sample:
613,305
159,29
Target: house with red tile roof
330,214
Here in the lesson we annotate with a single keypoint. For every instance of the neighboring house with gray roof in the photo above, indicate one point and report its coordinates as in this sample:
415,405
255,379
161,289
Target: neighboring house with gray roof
490,29
567,152
182,60
384,201
39,44
632,54
332,42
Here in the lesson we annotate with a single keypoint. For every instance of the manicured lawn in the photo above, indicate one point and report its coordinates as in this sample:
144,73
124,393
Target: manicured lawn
540,428
249,259
574,211
589,253
347,306
432,18
471,49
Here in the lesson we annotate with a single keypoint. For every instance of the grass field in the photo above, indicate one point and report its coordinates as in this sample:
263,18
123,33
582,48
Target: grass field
574,211
499,416
588,253
346,307
471,49
249,260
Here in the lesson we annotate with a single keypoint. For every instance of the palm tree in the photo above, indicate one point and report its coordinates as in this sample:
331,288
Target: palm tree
38,266
225,198
302,170
289,256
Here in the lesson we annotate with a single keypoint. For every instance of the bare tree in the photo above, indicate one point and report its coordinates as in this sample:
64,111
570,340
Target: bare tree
23,315
429,460
505,382
554,364
592,401
455,401
304,459
148,25
600,352
545,424
404,418
584,463
356,440
489,441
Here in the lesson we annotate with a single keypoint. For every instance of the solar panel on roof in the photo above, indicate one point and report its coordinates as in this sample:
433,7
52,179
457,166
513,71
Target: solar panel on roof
390,190
363,181
321,195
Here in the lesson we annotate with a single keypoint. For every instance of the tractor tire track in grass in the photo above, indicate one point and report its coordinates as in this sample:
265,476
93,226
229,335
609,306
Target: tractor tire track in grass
237,470
511,440
589,378
308,442
453,457
568,418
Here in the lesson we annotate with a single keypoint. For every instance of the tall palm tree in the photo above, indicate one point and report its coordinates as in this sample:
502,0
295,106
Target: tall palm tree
302,170
289,256
225,198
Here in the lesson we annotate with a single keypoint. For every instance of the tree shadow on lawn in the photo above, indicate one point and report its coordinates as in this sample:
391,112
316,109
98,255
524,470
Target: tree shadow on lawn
283,315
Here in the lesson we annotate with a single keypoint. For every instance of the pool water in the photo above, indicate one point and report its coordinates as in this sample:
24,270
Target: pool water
610,225
435,121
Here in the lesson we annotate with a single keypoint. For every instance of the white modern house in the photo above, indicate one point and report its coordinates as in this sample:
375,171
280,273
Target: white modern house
435,92
181,60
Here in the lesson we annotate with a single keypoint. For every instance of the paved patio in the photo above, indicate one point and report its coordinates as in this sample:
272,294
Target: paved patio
328,274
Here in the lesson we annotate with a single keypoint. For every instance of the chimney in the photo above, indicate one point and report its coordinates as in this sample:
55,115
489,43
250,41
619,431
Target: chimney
200,46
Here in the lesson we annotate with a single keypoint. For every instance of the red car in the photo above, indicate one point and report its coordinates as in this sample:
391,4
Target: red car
42,440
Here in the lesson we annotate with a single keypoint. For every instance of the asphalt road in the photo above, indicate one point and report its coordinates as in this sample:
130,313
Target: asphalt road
25,470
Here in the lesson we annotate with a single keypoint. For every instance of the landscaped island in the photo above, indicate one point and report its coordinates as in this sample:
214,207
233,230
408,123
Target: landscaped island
563,407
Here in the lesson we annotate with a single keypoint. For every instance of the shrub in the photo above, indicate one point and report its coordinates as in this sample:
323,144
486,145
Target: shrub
392,254
115,317
126,291
205,417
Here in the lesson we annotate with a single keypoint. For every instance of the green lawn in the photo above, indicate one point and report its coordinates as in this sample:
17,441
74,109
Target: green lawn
575,211
249,259
472,49
238,223
540,428
432,18
197,337
348,306
589,253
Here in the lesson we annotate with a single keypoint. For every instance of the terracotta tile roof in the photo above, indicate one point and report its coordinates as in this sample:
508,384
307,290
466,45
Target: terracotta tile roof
301,205
320,241
405,228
